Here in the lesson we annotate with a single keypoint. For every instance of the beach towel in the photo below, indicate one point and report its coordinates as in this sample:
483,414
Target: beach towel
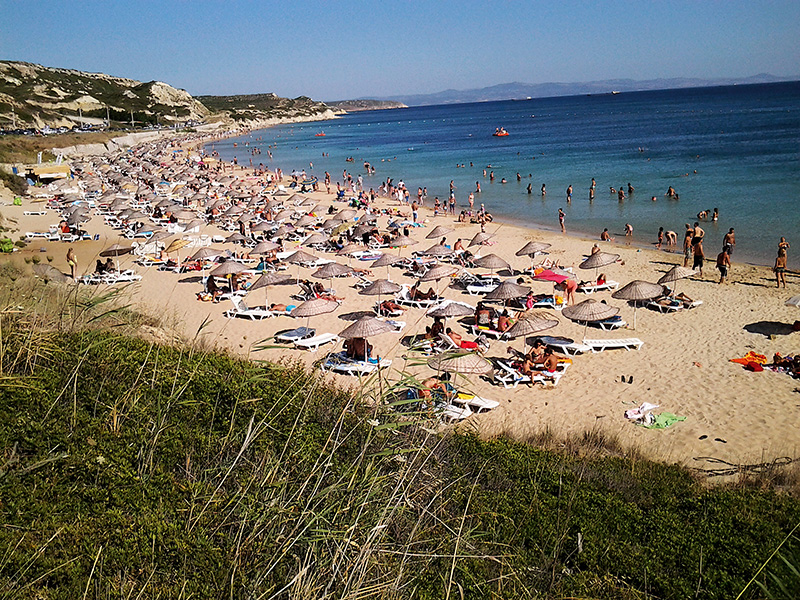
750,357
664,420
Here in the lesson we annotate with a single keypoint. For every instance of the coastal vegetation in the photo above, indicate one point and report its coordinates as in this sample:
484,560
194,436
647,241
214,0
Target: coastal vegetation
255,107
138,465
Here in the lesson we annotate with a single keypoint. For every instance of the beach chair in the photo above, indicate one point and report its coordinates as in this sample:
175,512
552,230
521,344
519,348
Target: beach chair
300,333
476,404
478,330
450,413
566,346
313,343
403,298
481,287
667,304
591,288
548,301
32,213
398,325
338,362
607,324
602,345
240,309
509,377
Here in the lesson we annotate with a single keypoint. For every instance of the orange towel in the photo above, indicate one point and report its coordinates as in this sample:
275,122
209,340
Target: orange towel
750,357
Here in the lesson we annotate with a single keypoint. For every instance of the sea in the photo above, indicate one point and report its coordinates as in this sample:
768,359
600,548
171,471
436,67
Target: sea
733,148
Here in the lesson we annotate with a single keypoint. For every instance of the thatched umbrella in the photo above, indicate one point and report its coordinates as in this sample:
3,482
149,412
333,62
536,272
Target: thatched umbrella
532,249
265,247
589,311
283,215
366,327
638,291
305,221
597,260
675,273
300,257
492,261
345,214
379,287
459,361
530,323
234,238
267,280
317,238
227,269
386,260
314,307
401,241
331,270
439,272
451,308
116,251
437,251
506,291
438,231
480,238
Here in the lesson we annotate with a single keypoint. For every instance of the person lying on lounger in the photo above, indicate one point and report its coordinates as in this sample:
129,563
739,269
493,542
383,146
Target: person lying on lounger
416,294
388,307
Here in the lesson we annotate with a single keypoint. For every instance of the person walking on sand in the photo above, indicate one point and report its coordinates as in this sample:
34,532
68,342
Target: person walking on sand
780,267
699,256
72,261
628,233
561,216
723,264
660,238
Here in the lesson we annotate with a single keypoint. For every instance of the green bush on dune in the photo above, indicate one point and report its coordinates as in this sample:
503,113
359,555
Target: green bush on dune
136,470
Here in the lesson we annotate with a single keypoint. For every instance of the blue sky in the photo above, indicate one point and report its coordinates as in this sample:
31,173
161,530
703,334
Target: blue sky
353,48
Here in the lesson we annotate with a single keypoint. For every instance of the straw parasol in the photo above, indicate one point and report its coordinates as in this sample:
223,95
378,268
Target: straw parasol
267,280
345,215
305,221
317,238
265,247
480,238
675,273
532,249
439,272
176,245
458,361
301,257
116,251
438,250
451,308
366,327
530,323
262,226
438,231
331,270
589,311
314,307
235,237
283,215
349,249
227,269
205,253
493,262
401,241
386,260
597,260
379,287
637,291
506,291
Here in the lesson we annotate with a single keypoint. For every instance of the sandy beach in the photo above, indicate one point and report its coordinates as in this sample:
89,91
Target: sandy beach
683,366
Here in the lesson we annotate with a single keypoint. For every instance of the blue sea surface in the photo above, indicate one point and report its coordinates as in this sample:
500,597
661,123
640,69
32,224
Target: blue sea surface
735,148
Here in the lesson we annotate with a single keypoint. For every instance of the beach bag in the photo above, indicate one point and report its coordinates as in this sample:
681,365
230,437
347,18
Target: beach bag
754,367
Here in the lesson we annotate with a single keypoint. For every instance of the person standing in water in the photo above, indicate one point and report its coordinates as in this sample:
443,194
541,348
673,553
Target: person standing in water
544,191
569,195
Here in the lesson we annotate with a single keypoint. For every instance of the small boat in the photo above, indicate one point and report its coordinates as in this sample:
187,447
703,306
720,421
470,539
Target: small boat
500,132
320,134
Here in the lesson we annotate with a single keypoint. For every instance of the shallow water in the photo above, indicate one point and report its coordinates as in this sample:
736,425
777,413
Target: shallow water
742,141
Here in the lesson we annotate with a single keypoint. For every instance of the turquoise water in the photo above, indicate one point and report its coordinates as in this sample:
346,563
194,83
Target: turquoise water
742,141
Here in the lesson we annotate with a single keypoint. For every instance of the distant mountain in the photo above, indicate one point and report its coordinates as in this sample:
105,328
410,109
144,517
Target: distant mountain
365,104
517,90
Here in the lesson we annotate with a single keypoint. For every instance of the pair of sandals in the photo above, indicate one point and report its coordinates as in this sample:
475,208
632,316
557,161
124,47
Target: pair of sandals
628,380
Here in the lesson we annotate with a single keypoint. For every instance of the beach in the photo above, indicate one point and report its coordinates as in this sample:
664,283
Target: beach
683,366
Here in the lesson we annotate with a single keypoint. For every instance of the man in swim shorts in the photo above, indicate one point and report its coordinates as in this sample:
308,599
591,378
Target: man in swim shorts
729,241
723,263
699,256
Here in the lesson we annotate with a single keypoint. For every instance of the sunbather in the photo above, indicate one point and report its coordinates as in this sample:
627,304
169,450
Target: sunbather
459,341
416,294
358,348
388,307
504,322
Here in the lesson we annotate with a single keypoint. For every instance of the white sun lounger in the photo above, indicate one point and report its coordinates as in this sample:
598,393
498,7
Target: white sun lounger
34,213
483,330
510,377
313,343
566,346
475,404
294,335
626,343
668,305
591,288
339,363
240,309
403,298
607,324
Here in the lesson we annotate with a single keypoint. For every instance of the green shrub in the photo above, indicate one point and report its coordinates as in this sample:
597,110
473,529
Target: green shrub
15,183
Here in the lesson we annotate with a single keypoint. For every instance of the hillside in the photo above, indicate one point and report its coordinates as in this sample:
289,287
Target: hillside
365,104
37,96
251,107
